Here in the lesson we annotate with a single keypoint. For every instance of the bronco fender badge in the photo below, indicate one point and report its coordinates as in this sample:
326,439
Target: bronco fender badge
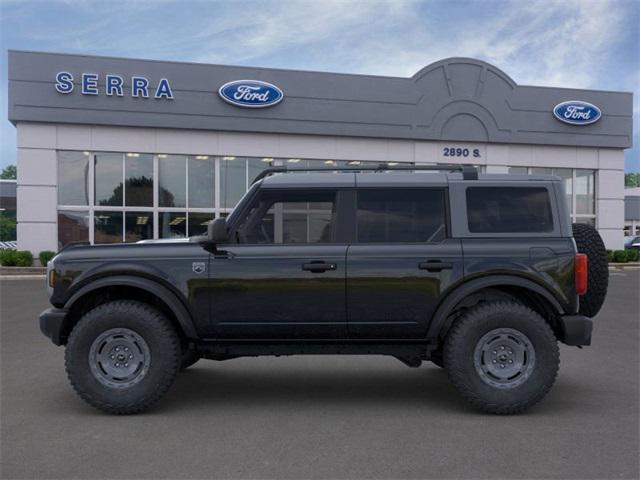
198,267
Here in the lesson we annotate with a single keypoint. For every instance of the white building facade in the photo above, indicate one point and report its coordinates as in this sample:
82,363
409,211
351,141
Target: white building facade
101,164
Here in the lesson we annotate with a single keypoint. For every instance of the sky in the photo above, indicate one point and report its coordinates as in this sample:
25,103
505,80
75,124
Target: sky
566,43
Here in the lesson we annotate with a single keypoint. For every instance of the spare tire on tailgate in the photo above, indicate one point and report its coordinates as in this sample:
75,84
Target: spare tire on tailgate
589,242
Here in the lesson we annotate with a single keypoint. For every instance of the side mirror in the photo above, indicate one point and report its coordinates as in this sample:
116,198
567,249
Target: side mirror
217,230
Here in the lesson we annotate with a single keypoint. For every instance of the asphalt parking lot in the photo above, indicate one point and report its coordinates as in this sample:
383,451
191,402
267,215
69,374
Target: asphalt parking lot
321,417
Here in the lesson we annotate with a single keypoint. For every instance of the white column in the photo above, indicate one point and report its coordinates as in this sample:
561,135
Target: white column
37,188
610,197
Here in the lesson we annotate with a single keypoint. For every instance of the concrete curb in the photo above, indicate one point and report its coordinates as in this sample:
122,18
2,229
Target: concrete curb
9,271
22,277
624,266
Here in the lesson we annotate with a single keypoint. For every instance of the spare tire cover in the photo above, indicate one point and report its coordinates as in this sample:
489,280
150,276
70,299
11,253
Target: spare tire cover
589,242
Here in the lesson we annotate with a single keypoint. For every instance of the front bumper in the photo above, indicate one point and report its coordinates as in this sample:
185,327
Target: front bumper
576,330
53,323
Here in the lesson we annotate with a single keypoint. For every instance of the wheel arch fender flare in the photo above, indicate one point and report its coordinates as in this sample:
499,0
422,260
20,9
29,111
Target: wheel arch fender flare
170,299
448,304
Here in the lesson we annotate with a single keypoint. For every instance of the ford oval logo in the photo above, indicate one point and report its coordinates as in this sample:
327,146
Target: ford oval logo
577,112
251,93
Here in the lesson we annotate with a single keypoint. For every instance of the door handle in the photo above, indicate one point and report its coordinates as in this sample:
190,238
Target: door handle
318,267
435,266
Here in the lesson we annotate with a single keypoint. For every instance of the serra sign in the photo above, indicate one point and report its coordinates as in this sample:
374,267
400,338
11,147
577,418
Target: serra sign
113,85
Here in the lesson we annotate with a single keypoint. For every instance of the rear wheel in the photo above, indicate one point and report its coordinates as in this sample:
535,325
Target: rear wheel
502,356
589,242
122,356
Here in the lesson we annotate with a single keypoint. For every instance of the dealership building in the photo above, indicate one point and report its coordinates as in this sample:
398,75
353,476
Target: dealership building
116,149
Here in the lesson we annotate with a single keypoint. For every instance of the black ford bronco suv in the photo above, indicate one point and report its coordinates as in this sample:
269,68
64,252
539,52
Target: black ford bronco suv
480,274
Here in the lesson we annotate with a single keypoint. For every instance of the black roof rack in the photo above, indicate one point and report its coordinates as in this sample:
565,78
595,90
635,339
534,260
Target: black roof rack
469,172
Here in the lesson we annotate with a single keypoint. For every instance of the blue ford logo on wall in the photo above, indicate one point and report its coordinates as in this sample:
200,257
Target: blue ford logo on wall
251,93
577,112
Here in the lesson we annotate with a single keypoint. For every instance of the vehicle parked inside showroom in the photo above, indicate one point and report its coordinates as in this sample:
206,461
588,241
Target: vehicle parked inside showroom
479,274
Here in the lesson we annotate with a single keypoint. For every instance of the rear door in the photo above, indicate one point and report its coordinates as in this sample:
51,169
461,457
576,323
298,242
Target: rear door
401,262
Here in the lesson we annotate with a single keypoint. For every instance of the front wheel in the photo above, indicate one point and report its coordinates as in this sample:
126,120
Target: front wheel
502,356
122,356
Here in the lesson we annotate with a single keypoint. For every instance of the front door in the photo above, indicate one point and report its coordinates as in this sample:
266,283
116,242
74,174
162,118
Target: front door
285,275
401,262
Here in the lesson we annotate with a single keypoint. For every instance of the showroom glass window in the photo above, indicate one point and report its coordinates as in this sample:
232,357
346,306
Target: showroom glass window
579,185
111,197
73,178
172,178
202,181
73,226
138,175
233,180
108,179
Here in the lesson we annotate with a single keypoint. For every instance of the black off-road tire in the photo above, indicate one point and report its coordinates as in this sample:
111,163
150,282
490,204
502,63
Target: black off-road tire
464,372
589,242
150,328
189,357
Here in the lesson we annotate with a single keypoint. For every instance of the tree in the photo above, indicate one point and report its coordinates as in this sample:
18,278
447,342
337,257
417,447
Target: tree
7,228
9,172
632,180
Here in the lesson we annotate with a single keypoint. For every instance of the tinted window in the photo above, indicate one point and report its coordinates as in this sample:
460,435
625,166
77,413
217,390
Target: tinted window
73,178
108,179
198,223
401,215
509,210
172,224
171,175
201,181
73,226
138,226
138,172
289,217
108,227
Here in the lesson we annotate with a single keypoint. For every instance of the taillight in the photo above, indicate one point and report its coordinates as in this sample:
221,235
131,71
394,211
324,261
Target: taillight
580,273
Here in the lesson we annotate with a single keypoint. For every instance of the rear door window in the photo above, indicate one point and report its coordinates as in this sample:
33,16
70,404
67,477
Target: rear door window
401,215
509,210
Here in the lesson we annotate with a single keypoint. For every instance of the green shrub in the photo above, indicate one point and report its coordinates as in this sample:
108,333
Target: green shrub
8,258
610,255
620,256
44,257
633,255
24,258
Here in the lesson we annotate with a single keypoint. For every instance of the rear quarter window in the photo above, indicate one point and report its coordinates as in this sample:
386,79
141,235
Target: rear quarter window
509,210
